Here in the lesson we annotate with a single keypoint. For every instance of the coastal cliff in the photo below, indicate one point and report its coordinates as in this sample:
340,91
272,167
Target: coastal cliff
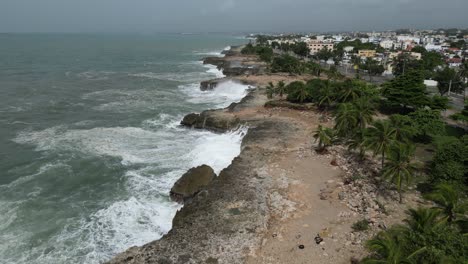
221,223
279,201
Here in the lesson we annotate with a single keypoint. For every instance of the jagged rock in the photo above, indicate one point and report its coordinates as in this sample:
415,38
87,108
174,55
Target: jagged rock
209,85
217,61
190,119
192,182
211,120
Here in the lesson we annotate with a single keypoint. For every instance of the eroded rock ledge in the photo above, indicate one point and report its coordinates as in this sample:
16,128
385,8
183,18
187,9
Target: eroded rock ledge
220,224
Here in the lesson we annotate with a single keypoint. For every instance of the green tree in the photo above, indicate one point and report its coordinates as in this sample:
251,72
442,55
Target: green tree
324,136
270,90
334,74
389,248
298,92
406,92
439,102
404,130
405,63
449,164
326,95
373,67
399,169
346,122
301,49
280,88
419,49
356,142
314,68
365,111
448,81
423,220
427,123
379,137
449,201
286,63
324,54
426,238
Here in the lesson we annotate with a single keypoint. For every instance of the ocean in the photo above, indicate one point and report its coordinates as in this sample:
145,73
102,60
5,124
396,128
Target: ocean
90,142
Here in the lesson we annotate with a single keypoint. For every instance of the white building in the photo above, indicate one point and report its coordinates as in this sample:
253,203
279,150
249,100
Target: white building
404,38
433,47
387,44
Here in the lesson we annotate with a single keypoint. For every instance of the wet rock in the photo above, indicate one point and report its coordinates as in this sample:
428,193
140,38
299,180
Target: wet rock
211,120
209,85
192,182
190,119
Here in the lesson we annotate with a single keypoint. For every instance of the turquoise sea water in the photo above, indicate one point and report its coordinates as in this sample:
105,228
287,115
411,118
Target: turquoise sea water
89,139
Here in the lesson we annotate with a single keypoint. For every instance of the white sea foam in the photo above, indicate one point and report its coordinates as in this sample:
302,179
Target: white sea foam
147,214
217,53
221,96
173,76
212,69
94,75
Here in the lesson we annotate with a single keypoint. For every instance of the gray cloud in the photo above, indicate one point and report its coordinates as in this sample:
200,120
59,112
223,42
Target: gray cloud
227,15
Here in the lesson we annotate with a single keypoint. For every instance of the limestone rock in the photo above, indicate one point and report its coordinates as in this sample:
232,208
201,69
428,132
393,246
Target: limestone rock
192,182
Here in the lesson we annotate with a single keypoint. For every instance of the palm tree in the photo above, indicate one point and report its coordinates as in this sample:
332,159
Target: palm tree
365,111
270,90
326,95
280,88
423,220
403,129
314,68
449,202
334,74
348,91
325,136
389,248
379,138
357,142
399,168
345,120
302,94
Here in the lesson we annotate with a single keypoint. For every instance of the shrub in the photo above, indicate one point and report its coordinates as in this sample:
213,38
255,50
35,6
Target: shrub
361,225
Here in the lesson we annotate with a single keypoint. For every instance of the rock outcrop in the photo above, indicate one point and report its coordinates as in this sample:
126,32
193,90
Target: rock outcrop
211,120
192,182
221,224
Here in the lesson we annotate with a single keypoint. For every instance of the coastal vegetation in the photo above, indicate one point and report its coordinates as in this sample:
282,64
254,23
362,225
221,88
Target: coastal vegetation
391,122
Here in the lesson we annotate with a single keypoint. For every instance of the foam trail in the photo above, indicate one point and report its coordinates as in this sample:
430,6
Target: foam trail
222,96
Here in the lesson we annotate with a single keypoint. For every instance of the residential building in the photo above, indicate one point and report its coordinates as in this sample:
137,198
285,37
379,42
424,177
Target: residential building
433,47
367,53
387,44
315,46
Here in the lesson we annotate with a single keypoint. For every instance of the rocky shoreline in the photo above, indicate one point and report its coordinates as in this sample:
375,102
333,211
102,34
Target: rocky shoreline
220,224
278,196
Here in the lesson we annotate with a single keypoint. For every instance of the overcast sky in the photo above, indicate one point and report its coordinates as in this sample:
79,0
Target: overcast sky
228,15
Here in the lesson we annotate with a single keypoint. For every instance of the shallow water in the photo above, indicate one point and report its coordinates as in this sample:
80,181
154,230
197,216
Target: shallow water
90,143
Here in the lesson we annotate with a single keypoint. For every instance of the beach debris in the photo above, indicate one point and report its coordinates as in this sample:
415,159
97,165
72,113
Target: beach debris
301,246
318,239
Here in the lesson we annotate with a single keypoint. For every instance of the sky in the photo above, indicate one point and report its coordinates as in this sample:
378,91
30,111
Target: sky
146,16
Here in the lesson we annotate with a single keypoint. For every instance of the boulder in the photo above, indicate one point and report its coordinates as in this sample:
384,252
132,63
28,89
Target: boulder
190,120
192,182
